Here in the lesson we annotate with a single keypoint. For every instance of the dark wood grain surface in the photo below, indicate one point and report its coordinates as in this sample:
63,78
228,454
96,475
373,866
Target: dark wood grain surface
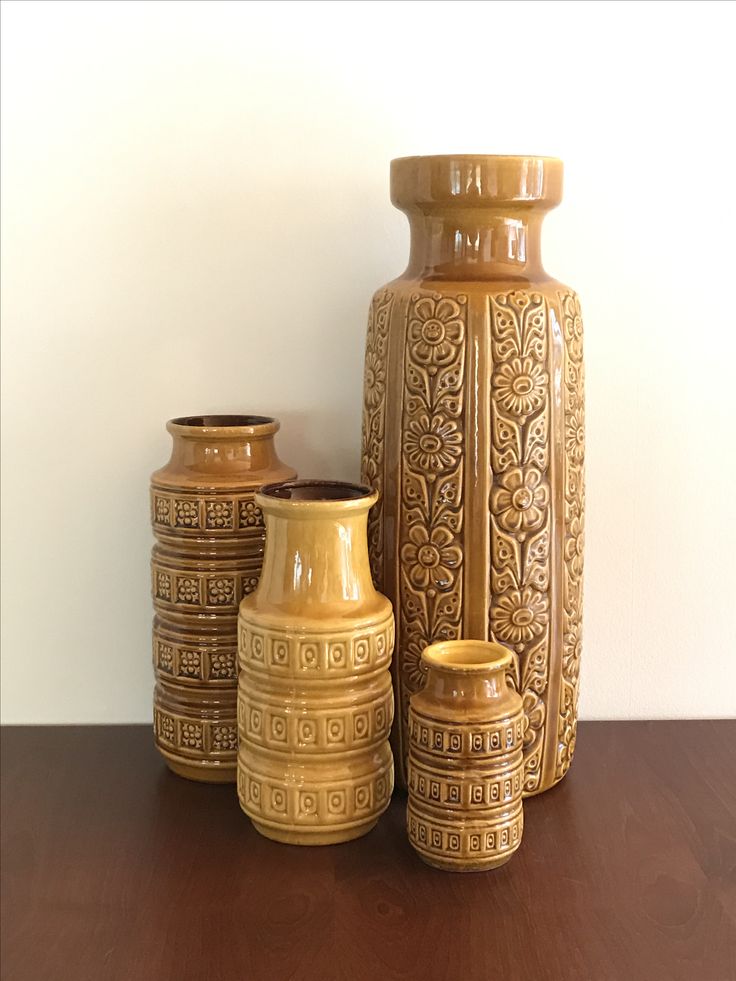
112,868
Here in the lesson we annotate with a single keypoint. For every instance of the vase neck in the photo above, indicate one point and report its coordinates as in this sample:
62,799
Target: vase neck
448,684
231,456
474,216
316,557
217,447
460,244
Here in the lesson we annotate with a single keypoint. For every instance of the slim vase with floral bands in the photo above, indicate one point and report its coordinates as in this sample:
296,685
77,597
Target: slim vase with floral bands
466,765
473,433
208,553
314,699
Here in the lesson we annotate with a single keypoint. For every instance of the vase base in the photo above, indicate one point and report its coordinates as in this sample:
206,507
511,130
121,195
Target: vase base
202,773
450,865
316,836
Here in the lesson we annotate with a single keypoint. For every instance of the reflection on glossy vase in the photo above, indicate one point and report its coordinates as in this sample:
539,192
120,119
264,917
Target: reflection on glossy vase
473,433
209,534
466,765
314,698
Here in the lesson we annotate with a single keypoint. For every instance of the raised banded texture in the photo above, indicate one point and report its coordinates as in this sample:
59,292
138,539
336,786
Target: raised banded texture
208,553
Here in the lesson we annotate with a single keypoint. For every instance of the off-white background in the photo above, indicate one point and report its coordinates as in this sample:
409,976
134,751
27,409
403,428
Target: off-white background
195,214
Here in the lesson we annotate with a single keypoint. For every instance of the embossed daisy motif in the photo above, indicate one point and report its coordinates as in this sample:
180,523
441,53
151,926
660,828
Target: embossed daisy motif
166,728
573,328
431,556
191,735
435,330
575,545
250,514
224,739
163,510
219,514
575,436
534,713
221,591
187,591
222,666
189,664
374,379
520,500
187,514
520,386
412,666
572,649
166,658
520,615
432,445
163,586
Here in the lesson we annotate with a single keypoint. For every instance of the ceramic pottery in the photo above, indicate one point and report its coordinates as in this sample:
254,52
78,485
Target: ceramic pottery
314,698
209,534
473,433
466,765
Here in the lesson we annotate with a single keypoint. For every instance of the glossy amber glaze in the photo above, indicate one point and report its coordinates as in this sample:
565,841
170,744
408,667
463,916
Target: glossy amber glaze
466,764
209,547
314,700
473,433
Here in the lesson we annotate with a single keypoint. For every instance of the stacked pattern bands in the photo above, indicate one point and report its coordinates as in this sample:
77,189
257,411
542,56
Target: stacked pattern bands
208,555
465,775
315,701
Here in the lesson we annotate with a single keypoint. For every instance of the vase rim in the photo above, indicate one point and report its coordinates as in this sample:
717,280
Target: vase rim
223,426
492,157
467,656
476,180
315,496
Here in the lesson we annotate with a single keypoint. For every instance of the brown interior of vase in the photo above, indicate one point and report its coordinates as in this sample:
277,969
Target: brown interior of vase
224,420
316,490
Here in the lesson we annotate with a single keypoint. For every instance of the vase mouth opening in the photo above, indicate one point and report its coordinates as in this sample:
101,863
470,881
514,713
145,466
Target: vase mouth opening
316,495
475,180
467,656
227,426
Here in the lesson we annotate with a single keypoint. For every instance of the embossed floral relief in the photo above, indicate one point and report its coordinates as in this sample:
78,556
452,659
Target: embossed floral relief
431,517
222,666
431,557
251,515
436,329
520,500
219,514
520,504
373,423
574,407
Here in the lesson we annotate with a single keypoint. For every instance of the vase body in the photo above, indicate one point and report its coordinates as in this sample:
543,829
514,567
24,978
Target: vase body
473,434
466,764
315,703
208,553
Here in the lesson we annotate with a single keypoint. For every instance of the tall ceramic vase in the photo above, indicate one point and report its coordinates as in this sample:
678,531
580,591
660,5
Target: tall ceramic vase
473,433
314,701
208,553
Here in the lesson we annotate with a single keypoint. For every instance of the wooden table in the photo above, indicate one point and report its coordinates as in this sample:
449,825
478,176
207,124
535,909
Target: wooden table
115,869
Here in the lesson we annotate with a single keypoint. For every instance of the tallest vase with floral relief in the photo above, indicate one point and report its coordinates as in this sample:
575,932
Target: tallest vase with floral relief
473,434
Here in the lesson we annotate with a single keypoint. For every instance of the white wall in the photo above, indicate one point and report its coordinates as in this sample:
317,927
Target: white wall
195,214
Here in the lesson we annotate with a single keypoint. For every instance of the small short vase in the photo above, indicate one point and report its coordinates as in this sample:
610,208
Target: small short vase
315,702
466,765
209,547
